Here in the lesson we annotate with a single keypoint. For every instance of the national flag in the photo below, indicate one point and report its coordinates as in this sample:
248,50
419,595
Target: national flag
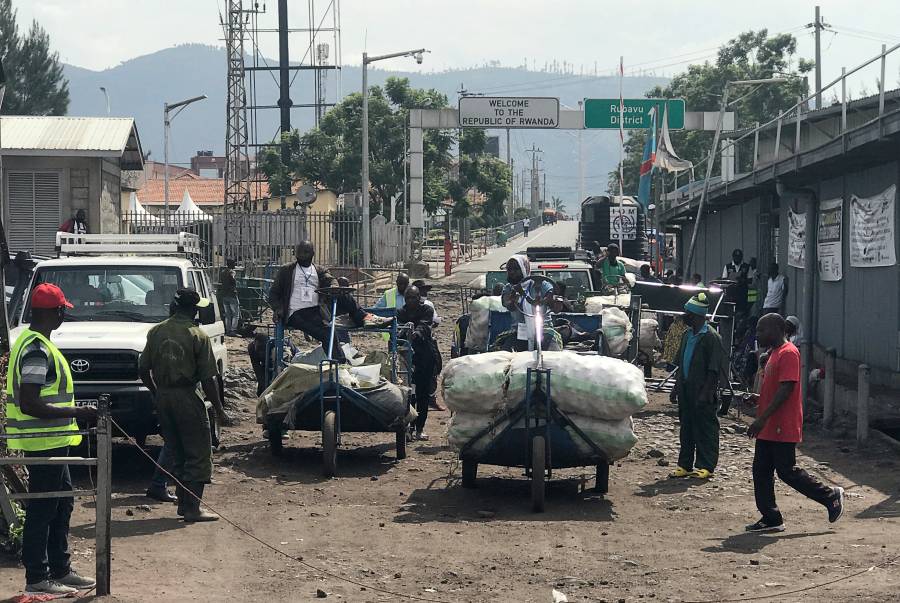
666,158
647,161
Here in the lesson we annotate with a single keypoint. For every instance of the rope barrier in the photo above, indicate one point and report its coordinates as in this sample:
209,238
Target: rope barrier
265,544
385,591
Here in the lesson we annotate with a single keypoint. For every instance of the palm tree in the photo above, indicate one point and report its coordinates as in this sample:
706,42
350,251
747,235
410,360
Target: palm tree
558,204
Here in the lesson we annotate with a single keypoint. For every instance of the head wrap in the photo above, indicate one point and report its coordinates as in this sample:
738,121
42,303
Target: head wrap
524,264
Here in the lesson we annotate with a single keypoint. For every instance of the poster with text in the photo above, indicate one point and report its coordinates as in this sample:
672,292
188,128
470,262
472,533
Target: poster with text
829,239
872,230
796,239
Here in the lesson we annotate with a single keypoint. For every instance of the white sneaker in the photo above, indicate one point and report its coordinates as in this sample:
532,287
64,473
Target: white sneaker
50,587
76,580
422,436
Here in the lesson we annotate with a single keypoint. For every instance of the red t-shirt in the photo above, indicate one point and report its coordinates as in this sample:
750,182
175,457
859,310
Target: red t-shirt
786,425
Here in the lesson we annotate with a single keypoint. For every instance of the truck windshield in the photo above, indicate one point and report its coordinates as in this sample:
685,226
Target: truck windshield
113,293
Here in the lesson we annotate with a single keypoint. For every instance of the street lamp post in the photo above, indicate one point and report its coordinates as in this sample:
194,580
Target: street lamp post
167,122
712,154
366,225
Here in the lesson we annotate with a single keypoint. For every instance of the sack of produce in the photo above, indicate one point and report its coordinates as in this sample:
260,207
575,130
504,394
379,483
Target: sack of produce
616,329
390,399
591,386
649,339
475,383
480,311
464,426
614,438
596,303
293,381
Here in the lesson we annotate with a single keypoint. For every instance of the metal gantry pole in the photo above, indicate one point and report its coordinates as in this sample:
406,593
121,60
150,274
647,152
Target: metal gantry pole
166,160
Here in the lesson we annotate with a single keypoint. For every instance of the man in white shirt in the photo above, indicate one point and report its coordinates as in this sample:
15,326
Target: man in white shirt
525,224
295,300
776,292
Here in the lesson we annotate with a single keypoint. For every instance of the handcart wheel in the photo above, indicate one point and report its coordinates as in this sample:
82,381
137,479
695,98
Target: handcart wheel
329,444
602,479
276,445
469,471
401,444
538,470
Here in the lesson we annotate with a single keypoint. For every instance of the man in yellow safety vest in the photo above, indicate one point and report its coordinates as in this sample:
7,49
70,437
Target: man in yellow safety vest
41,399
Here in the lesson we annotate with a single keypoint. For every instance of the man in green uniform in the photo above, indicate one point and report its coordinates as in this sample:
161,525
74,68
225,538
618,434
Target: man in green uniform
700,361
177,358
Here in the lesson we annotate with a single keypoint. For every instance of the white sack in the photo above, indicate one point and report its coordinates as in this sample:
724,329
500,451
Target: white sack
596,303
592,386
649,340
479,319
475,383
616,329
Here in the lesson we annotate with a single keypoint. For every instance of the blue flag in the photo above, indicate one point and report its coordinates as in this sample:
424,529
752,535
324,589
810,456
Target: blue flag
647,162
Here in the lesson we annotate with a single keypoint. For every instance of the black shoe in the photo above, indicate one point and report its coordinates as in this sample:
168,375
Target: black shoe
763,526
160,494
836,506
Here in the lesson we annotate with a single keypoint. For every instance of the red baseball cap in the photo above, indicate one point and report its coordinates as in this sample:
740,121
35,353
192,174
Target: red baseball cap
48,297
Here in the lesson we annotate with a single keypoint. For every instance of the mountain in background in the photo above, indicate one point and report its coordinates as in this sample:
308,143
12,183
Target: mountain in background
139,87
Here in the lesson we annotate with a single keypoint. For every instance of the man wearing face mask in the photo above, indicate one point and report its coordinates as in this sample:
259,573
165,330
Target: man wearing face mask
518,286
40,398
296,302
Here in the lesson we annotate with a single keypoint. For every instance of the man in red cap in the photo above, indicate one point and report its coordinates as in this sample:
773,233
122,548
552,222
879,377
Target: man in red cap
41,399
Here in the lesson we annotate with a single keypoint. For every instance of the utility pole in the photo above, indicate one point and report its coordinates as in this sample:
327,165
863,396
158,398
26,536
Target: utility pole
284,84
580,160
509,164
818,25
544,195
535,181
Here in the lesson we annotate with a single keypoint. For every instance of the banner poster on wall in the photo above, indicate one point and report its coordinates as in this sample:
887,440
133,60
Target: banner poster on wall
796,239
872,229
829,239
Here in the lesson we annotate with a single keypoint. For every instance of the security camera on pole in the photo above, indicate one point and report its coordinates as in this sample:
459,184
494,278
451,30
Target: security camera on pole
366,225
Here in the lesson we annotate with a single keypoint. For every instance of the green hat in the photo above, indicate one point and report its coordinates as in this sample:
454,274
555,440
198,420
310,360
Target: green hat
697,305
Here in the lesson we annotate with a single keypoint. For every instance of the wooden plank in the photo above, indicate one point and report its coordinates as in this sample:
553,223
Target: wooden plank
103,546
56,494
47,460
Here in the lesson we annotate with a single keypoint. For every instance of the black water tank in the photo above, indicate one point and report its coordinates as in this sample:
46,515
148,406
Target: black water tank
595,225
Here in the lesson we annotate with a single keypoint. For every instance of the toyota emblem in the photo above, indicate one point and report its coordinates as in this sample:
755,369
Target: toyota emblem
80,365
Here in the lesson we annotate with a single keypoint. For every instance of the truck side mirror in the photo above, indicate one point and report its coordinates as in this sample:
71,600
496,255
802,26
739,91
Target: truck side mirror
208,315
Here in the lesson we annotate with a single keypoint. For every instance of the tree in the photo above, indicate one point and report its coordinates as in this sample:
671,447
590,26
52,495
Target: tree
329,155
35,82
751,55
557,204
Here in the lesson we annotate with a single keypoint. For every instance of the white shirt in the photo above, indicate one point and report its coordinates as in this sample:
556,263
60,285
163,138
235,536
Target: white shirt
526,222
437,319
775,292
303,294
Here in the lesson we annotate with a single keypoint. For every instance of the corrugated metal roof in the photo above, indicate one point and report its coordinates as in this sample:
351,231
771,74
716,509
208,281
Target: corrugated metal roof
31,133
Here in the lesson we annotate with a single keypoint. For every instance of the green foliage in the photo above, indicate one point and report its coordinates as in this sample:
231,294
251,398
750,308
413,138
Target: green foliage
34,77
752,55
12,543
329,156
521,213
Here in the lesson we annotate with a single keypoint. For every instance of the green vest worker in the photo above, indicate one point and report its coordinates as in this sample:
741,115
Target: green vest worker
40,398
611,267
700,360
177,358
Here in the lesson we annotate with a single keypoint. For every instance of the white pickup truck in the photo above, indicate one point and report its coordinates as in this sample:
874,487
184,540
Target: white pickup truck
120,286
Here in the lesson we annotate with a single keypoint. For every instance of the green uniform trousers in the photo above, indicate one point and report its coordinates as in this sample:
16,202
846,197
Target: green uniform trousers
699,433
185,429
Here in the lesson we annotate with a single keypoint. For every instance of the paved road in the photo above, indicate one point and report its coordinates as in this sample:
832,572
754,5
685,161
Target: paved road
560,234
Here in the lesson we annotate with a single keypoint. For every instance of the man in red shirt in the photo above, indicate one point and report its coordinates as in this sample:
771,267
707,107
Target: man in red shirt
778,429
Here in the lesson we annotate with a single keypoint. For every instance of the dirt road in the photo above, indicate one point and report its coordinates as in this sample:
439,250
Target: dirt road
408,526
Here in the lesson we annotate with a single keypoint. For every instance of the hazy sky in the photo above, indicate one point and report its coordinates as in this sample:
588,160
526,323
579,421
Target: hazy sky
659,36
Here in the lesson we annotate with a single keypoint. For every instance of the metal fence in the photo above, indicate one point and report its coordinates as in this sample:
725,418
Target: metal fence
260,239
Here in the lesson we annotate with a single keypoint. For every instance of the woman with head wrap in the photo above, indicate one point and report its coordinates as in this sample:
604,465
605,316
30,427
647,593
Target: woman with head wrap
518,288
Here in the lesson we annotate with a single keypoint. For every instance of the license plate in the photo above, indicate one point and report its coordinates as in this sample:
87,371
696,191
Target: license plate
88,403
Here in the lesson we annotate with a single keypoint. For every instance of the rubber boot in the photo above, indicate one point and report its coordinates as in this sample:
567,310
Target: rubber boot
180,496
192,510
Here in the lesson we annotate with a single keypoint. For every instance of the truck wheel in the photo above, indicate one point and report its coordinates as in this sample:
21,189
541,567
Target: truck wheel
469,472
538,470
329,444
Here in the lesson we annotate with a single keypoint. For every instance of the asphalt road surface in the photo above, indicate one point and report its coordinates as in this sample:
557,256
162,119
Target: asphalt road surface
562,234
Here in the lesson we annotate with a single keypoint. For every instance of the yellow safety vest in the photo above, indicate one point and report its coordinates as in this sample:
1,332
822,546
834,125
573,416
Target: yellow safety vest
60,393
390,301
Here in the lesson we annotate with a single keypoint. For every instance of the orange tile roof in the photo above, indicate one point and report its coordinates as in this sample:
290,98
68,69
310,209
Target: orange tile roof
204,191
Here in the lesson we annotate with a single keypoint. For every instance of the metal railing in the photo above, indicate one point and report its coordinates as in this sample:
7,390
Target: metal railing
853,115
102,492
